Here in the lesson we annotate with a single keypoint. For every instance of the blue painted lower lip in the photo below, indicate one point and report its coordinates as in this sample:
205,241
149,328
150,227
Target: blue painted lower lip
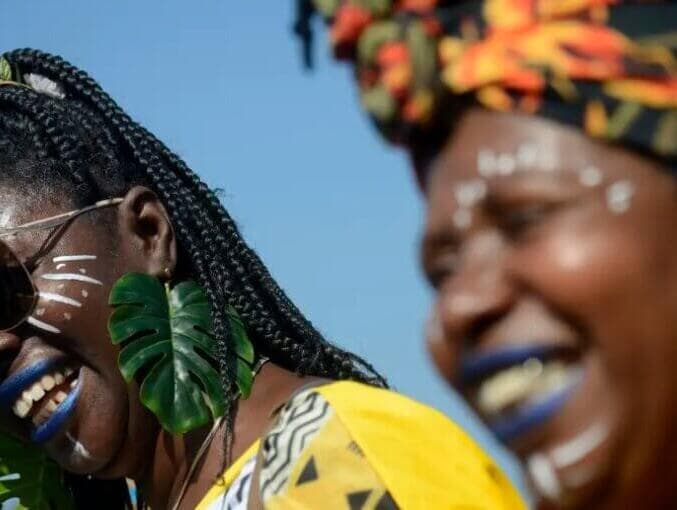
508,429
13,386
59,417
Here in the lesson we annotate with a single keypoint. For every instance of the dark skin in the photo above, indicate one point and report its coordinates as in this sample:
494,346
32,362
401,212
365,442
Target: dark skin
119,436
545,257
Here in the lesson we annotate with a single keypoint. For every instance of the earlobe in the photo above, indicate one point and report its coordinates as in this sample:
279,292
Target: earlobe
144,224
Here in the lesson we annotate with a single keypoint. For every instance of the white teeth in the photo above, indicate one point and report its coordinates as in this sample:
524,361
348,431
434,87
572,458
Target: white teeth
37,392
532,381
21,408
24,404
47,382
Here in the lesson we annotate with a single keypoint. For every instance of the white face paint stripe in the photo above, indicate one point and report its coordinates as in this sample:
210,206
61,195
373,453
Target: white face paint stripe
575,449
544,477
48,296
71,277
10,477
78,447
42,325
73,258
60,266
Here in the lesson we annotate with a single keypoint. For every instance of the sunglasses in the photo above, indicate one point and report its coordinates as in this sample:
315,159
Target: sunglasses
18,292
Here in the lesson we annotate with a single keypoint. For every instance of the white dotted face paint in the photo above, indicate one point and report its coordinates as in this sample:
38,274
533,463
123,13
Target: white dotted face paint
40,312
506,164
84,293
468,193
486,163
527,155
619,196
462,219
67,316
60,266
83,270
590,177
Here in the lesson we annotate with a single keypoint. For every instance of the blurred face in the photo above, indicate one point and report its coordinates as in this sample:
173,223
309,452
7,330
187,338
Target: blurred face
60,386
555,264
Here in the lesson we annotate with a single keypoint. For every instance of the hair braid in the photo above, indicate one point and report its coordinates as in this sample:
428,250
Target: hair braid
91,143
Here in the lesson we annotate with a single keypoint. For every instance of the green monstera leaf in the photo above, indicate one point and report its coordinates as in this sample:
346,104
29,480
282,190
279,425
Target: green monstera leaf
167,344
29,479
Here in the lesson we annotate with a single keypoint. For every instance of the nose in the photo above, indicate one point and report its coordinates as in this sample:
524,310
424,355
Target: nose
475,297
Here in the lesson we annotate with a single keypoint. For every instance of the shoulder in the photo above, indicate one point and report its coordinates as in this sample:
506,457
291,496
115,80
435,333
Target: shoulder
349,438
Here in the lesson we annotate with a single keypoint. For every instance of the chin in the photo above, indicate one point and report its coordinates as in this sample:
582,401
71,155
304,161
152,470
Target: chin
90,437
557,411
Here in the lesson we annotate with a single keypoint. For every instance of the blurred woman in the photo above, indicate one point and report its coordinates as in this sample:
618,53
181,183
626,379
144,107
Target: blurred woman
544,137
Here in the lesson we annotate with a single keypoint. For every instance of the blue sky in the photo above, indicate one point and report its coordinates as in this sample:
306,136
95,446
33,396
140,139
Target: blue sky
331,209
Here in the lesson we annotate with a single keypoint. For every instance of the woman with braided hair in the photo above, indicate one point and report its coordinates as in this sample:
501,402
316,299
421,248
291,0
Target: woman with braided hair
141,338
543,134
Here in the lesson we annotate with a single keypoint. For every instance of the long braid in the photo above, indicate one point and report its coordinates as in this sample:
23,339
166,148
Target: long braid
88,125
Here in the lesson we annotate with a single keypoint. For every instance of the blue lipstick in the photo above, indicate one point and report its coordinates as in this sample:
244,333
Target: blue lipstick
512,423
58,418
13,386
531,416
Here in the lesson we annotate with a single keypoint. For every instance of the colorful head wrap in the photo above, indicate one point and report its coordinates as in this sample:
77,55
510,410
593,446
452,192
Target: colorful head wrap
607,66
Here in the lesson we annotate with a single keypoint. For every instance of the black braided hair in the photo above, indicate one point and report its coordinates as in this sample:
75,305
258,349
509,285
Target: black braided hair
84,143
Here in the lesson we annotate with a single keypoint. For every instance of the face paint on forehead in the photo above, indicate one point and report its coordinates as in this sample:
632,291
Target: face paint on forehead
619,196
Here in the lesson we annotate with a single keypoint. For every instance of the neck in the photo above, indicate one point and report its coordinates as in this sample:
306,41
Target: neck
174,454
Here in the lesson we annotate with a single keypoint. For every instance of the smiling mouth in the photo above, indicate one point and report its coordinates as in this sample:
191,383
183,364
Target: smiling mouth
516,389
44,395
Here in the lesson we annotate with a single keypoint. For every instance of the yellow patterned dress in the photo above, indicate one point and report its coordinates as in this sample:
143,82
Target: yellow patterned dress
348,446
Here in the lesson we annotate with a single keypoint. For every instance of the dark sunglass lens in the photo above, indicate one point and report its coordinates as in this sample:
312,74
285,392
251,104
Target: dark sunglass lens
17,294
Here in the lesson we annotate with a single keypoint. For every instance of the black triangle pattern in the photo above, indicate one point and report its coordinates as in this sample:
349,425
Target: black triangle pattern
356,500
308,473
386,503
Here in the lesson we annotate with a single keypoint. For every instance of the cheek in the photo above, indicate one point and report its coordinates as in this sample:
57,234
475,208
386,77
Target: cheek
614,281
72,306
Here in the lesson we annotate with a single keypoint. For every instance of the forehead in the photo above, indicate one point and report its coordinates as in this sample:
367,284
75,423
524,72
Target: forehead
491,146
21,204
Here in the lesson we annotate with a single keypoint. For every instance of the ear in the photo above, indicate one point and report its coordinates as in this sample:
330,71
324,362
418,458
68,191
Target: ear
145,227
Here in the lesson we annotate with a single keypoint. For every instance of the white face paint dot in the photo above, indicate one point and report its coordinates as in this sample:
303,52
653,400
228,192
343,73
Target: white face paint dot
83,270
61,286
486,162
527,154
462,219
506,164
84,293
590,176
619,196
67,316
470,192
60,266
40,312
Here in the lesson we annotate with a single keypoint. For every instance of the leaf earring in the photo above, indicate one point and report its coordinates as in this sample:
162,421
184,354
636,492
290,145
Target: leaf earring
167,342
